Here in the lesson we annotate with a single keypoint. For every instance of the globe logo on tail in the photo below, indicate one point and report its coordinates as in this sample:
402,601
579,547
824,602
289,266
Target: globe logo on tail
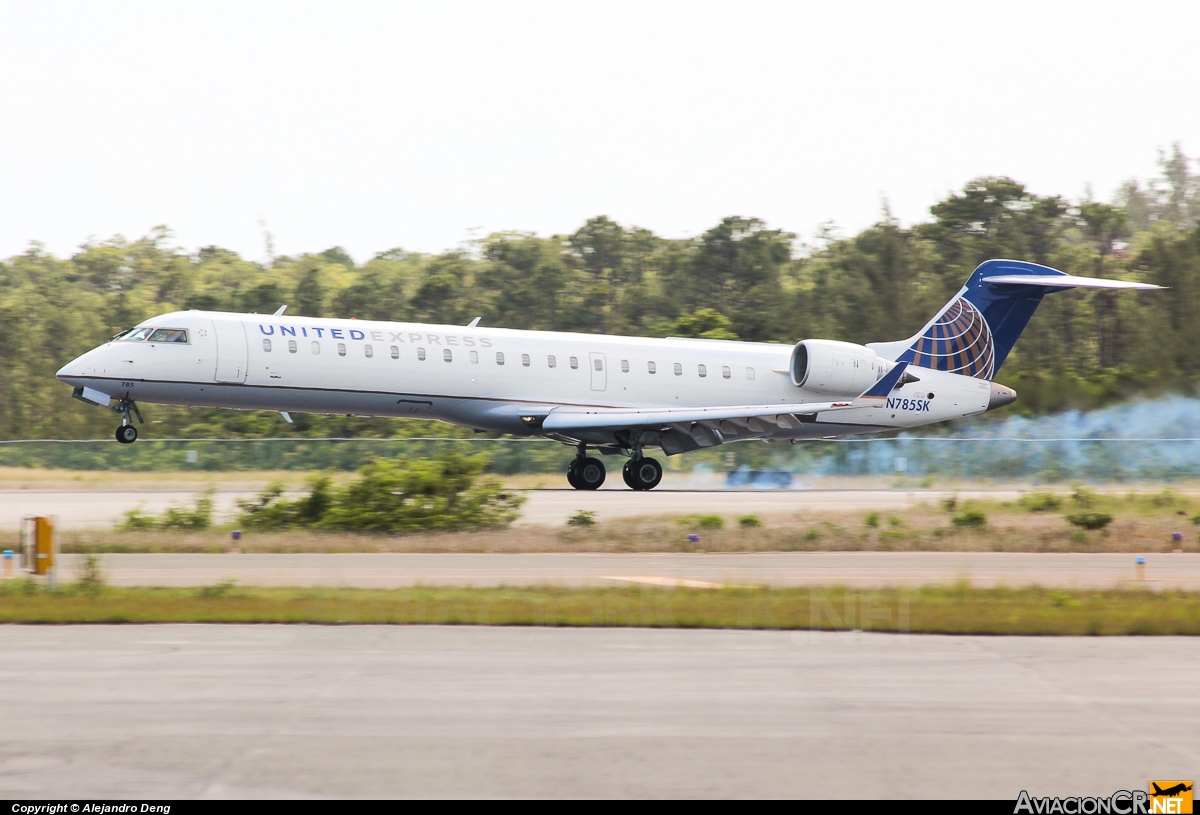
959,341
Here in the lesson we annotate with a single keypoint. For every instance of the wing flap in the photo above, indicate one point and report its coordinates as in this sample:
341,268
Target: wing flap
681,419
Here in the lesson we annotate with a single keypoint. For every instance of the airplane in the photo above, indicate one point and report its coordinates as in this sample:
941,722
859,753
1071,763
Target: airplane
1170,792
613,394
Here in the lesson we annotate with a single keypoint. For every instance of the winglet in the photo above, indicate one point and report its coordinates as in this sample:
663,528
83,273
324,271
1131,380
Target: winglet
883,387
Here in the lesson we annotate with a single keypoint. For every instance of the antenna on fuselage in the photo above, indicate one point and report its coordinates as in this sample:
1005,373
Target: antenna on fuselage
280,310
474,322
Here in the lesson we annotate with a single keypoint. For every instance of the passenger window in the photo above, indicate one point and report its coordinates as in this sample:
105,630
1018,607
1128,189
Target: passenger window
267,346
525,360
624,366
474,357
678,369
499,357
421,354
369,351
316,348
291,346
598,364
725,372
651,367
169,335
750,373
447,355
574,363
341,349
550,361
700,369
395,352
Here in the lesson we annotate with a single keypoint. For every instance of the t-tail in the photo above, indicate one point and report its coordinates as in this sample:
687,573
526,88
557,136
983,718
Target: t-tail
974,332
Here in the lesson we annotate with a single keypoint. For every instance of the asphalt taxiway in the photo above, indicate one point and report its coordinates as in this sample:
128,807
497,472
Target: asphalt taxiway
181,711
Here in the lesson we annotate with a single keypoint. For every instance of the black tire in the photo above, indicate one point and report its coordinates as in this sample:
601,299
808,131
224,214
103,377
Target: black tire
642,473
589,474
627,475
127,434
572,478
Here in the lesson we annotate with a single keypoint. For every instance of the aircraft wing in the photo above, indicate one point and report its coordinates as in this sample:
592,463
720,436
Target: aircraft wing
566,419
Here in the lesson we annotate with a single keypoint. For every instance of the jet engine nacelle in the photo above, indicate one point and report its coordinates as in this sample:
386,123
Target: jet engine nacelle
835,368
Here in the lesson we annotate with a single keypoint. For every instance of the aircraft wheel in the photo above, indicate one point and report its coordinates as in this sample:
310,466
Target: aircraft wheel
127,434
573,475
642,473
589,474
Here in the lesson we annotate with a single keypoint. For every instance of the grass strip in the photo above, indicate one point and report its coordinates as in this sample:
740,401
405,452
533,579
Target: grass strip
956,609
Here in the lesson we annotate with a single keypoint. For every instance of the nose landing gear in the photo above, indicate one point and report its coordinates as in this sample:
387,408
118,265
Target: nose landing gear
127,433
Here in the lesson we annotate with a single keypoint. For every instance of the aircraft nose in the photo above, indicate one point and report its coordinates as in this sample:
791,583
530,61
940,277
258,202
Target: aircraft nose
1001,396
81,366
71,370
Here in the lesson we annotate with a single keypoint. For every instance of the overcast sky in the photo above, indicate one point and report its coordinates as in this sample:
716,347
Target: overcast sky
417,125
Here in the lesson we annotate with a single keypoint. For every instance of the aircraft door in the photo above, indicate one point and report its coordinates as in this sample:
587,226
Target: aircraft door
233,355
599,374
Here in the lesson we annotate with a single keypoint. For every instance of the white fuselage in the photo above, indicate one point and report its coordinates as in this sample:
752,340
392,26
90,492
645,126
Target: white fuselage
483,378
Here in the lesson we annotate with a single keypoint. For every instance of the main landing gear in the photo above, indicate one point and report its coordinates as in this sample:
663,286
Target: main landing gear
127,433
586,473
642,473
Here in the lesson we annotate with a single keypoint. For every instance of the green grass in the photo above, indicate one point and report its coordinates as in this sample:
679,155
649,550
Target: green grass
956,609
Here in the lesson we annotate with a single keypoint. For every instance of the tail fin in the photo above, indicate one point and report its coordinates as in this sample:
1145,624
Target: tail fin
973,333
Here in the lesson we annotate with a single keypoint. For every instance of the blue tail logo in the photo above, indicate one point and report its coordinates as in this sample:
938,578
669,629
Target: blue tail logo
973,334
959,341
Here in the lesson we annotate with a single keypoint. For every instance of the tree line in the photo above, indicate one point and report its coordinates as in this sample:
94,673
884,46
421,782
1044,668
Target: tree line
740,279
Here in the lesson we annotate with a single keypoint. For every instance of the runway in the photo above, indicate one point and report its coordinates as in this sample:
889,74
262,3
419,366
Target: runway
172,711
861,569
91,508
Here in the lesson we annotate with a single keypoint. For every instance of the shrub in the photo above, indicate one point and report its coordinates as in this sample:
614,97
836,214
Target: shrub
710,521
872,519
584,517
1090,520
91,579
749,521
950,503
136,520
1041,502
1083,497
1164,499
970,518
390,496
222,589
196,518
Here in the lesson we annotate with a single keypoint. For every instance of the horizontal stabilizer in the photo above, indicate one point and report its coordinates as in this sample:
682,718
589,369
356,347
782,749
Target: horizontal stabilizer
1066,281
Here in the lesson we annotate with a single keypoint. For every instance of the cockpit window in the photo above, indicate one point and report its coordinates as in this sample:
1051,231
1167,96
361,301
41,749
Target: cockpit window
168,335
134,334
